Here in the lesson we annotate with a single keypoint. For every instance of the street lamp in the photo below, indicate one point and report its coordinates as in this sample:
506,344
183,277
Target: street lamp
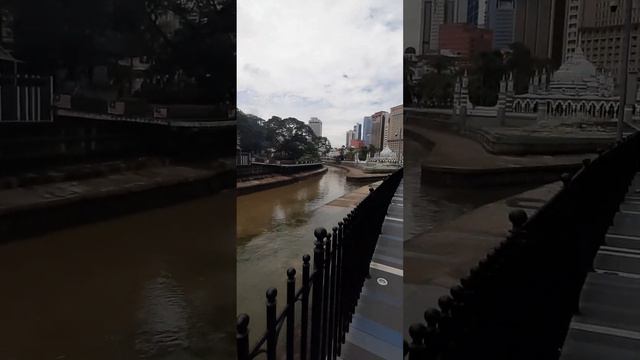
624,73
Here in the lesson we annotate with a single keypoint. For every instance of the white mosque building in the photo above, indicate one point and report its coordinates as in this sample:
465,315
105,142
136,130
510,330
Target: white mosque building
577,90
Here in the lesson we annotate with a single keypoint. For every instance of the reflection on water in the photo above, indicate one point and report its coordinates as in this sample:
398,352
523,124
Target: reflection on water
426,206
288,206
275,229
152,285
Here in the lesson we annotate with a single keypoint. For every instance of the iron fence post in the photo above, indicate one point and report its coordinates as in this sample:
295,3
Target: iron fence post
272,334
332,300
325,296
304,312
316,302
242,337
291,306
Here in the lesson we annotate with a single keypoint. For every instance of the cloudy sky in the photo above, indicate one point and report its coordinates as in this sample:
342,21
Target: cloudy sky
336,60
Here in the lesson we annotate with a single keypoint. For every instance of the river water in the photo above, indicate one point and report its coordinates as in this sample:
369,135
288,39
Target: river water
153,285
275,229
426,206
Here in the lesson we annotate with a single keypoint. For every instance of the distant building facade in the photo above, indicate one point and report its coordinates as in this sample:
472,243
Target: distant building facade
600,34
465,40
316,125
378,122
422,20
347,142
573,15
357,144
539,25
366,130
501,20
395,138
357,129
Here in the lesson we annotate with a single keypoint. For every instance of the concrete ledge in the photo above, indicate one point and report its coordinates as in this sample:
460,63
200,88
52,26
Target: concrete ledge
475,177
357,175
247,187
31,211
453,160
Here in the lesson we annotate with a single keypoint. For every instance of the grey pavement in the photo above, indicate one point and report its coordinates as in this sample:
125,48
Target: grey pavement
376,329
608,326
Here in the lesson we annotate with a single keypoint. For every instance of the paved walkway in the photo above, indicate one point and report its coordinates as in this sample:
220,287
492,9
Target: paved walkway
376,330
436,260
609,324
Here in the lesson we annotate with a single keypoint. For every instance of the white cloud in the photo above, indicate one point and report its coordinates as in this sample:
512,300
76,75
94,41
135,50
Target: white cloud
337,60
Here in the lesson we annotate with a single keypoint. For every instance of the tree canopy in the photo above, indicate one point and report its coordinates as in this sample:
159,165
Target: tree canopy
188,39
283,138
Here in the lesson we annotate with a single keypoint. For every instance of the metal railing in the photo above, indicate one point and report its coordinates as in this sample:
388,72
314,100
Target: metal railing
330,290
517,303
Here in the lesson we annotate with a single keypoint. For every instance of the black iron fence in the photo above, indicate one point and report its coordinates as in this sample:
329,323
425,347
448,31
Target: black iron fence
330,290
517,303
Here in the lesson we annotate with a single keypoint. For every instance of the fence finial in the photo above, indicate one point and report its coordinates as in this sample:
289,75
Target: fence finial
320,233
272,293
565,178
242,325
518,218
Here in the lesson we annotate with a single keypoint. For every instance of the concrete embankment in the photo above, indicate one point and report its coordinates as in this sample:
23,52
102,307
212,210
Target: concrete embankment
450,159
435,261
27,211
250,186
354,174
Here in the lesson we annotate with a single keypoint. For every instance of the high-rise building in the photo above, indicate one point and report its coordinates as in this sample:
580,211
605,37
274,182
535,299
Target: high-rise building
350,135
366,130
316,125
378,122
395,137
539,25
501,20
422,20
572,22
600,33
357,131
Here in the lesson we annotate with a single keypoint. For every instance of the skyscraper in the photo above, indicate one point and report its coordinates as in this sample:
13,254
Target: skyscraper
601,32
350,135
572,23
316,125
539,24
501,20
378,123
357,130
395,139
423,18
366,130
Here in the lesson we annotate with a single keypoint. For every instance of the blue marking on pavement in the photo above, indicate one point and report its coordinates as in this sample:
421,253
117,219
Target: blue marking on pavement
377,330
390,259
381,297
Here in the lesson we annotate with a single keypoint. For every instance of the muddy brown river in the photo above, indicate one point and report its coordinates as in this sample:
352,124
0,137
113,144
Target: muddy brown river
153,285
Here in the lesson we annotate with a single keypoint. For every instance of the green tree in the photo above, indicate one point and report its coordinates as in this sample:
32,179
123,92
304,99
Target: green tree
521,64
291,138
251,132
362,152
487,69
323,145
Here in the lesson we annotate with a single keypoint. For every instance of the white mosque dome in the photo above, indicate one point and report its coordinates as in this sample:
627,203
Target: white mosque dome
387,153
575,69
